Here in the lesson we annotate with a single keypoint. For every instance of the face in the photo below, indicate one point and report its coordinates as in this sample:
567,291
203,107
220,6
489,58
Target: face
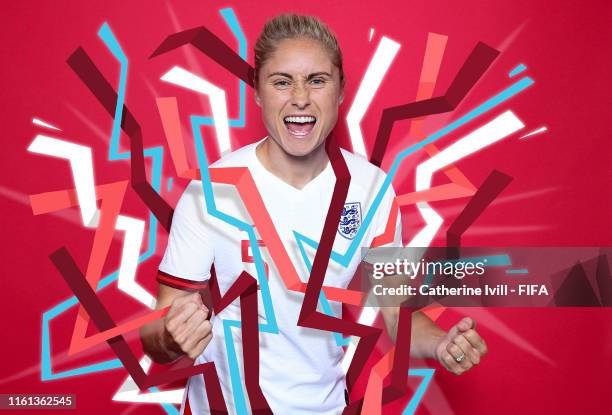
299,92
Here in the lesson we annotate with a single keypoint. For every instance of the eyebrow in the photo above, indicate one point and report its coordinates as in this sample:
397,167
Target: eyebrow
310,76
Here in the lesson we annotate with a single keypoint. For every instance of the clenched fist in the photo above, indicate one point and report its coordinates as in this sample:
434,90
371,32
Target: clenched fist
461,348
186,329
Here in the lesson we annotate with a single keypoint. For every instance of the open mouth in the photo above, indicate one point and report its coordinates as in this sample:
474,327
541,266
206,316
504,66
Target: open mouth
299,125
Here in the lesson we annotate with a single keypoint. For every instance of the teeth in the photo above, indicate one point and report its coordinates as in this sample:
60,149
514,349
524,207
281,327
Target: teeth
300,120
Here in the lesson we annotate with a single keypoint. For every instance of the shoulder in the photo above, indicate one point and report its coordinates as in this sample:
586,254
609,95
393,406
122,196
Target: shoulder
241,157
362,171
194,193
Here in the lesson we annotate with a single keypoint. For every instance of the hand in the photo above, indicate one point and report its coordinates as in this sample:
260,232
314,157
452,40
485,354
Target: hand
186,329
461,342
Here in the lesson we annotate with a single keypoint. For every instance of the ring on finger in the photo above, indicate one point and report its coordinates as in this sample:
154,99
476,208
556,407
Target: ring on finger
456,352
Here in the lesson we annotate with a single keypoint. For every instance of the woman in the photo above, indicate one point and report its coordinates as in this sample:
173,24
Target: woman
299,85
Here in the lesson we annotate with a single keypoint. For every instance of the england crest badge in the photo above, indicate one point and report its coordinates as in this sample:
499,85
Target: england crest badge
350,220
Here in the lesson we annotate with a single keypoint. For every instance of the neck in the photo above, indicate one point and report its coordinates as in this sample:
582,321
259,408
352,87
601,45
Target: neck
296,171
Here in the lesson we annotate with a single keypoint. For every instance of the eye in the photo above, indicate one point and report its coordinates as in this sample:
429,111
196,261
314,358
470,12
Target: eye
317,82
281,83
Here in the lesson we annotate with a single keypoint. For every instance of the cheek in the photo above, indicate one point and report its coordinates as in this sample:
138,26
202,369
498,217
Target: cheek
329,103
272,102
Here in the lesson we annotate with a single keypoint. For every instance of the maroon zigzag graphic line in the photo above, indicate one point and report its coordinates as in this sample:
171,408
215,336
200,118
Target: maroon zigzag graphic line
213,47
472,70
494,184
93,79
250,333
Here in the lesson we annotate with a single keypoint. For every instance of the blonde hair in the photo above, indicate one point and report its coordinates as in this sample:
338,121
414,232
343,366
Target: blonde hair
291,26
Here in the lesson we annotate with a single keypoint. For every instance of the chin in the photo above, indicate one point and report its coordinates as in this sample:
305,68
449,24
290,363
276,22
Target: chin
298,149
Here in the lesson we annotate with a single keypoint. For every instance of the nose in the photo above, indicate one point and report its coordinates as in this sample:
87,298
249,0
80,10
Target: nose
300,98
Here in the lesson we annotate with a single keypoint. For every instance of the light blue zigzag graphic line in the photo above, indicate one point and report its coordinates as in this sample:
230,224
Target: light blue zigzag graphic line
325,305
488,105
156,154
231,20
198,121
271,326
517,271
106,34
427,375
519,68
340,340
169,408
232,360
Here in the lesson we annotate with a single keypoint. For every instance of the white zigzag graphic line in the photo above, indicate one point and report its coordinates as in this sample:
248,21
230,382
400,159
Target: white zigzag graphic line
129,391
380,63
500,127
181,77
81,164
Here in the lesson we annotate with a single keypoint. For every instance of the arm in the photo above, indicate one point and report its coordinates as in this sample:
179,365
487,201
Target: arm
458,350
189,254
425,333
183,331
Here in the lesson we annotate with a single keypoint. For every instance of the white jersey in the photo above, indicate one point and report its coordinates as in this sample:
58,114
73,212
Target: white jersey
300,371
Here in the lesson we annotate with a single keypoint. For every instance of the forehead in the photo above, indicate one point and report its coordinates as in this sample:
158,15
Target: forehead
300,56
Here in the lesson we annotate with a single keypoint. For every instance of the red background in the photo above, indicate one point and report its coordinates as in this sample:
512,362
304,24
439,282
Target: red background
560,192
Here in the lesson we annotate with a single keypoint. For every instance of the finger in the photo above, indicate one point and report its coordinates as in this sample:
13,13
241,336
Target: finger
476,341
187,329
196,320
194,337
199,347
202,330
467,348
466,323
196,298
451,365
178,303
456,353
181,316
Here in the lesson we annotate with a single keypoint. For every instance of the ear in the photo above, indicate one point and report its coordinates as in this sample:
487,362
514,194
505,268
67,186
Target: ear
257,98
341,97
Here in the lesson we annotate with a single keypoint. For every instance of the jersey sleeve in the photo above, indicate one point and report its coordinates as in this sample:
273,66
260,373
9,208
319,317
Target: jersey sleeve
189,254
